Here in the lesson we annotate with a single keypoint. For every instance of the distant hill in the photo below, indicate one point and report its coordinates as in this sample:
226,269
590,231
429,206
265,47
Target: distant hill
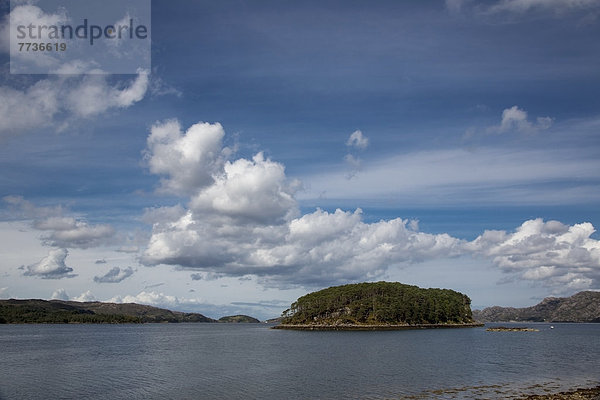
57,311
380,303
239,319
581,307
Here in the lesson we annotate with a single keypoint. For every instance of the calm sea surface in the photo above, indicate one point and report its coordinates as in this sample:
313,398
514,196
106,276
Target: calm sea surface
251,361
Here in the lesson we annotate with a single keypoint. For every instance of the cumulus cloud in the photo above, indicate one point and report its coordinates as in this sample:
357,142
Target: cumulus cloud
358,140
186,160
149,298
52,266
92,95
554,254
254,190
515,119
84,297
114,275
69,232
58,101
60,294
62,231
246,221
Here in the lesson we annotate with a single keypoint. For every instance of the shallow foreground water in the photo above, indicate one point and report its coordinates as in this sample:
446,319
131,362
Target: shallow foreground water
251,361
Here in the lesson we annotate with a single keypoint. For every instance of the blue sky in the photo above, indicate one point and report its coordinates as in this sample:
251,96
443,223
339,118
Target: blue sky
458,139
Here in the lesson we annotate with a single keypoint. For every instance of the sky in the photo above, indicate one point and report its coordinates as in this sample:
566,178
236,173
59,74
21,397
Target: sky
274,148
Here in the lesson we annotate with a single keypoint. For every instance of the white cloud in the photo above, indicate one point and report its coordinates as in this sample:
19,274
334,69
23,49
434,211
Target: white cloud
246,222
57,102
522,6
69,232
150,298
316,249
63,231
26,209
29,14
354,164
114,275
187,160
185,304
92,95
249,190
550,252
60,294
85,296
518,8
52,266
26,14
515,119
4,292
459,176
21,110
358,140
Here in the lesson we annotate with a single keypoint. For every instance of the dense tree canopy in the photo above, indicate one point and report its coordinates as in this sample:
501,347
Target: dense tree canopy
380,303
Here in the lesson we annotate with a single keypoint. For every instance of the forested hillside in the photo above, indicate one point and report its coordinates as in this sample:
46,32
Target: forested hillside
581,307
57,312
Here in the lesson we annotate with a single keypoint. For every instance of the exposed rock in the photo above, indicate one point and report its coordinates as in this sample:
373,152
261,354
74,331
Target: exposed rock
511,329
578,394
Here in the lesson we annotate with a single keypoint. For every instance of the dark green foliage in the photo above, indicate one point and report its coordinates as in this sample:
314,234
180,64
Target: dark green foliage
380,303
71,312
239,319
37,312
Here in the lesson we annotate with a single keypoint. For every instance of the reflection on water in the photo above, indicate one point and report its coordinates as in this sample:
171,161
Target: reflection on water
250,361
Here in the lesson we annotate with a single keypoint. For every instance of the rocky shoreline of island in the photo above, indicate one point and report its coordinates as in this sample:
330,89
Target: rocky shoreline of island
511,329
372,327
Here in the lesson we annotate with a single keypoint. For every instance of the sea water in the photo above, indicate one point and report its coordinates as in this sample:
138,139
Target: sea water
251,361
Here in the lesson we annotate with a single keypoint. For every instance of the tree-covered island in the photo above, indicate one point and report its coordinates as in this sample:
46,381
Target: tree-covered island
379,305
